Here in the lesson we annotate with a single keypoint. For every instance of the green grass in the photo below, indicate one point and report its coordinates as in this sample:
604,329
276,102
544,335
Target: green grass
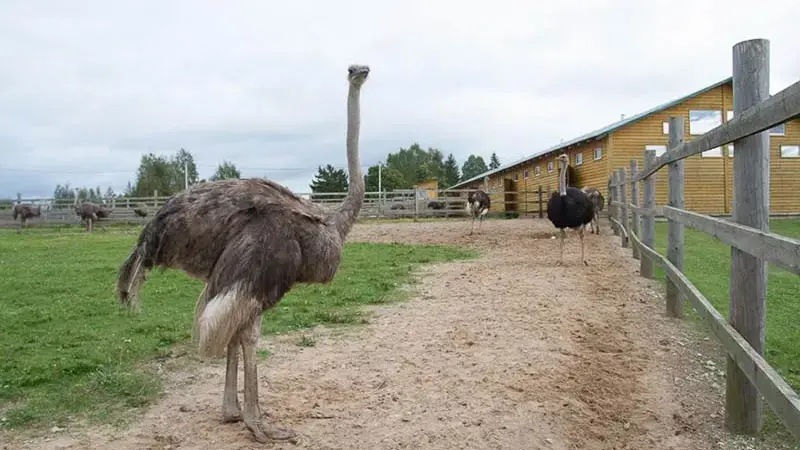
67,351
707,263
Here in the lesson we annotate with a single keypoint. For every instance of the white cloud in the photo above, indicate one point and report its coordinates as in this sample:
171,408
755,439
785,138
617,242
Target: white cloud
88,87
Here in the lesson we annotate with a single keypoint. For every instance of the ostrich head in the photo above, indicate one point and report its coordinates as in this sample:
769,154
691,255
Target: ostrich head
357,74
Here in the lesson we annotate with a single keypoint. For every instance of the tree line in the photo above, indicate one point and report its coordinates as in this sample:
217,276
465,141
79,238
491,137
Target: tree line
405,168
402,170
156,173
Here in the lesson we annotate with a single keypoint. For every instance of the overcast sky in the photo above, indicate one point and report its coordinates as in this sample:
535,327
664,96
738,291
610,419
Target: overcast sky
88,86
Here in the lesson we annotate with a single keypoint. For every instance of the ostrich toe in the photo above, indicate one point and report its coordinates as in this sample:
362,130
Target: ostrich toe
266,432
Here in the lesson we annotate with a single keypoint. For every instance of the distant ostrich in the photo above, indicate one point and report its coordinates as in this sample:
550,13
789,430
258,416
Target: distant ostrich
569,208
91,212
25,211
478,204
436,204
140,212
249,241
597,200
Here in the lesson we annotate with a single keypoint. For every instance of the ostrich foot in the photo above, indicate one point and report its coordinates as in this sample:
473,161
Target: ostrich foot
266,432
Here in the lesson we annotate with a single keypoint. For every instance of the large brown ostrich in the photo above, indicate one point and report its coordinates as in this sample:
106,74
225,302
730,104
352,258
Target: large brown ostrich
25,211
250,241
91,212
597,200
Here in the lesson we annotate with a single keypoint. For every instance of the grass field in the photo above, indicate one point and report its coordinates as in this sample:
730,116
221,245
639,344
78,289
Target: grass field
67,351
707,263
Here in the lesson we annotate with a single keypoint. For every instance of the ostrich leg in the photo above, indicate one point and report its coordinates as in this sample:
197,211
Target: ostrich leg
231,411
252,412
561,247
472,228
582,257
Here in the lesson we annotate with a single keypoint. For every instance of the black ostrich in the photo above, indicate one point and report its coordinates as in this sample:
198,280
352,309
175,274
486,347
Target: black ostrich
569,208
478,204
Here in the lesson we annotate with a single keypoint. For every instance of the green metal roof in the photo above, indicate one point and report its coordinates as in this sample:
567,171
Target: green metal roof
598,133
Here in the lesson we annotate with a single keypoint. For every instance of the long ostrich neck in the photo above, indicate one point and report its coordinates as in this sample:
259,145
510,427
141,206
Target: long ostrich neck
562,180
348,212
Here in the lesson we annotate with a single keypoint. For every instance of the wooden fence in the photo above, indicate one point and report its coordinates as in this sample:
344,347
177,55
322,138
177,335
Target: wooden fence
749,376
401,203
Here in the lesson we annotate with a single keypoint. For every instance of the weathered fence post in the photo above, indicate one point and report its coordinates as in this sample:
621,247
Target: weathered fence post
649,220
155,198
623,197
416,204
674,228
541,204
613,211
748,286
526,198
635,202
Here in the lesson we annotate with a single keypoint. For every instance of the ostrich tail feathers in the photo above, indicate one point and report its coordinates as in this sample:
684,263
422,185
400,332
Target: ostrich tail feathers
130,279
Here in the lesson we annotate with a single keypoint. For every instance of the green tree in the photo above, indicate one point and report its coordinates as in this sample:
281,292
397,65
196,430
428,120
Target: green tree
329,179
181,160
416,164
391,179
494,161
226,170
451,173
165,175
156,173
63,192
473,166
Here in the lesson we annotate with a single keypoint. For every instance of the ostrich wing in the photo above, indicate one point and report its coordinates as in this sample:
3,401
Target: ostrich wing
194,227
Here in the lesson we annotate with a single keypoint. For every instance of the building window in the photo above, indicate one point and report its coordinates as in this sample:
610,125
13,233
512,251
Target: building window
715,152
703,120
537,170
660,149
665,127
578,159
598,153
516,176
730,150
777,130
550,166
790,151
525,174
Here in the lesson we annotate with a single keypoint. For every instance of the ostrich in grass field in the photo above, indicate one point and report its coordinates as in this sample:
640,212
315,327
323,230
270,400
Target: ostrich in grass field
25,211
569,208
250,241
90,212
597,201
478,204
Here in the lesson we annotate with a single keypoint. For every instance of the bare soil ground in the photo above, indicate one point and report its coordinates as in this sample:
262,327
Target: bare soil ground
507,351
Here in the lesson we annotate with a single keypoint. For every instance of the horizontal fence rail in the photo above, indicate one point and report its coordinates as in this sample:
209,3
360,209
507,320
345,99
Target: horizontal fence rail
749,377
400,203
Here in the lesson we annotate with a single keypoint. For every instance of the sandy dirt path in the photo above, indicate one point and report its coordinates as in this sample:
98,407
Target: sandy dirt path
507,351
